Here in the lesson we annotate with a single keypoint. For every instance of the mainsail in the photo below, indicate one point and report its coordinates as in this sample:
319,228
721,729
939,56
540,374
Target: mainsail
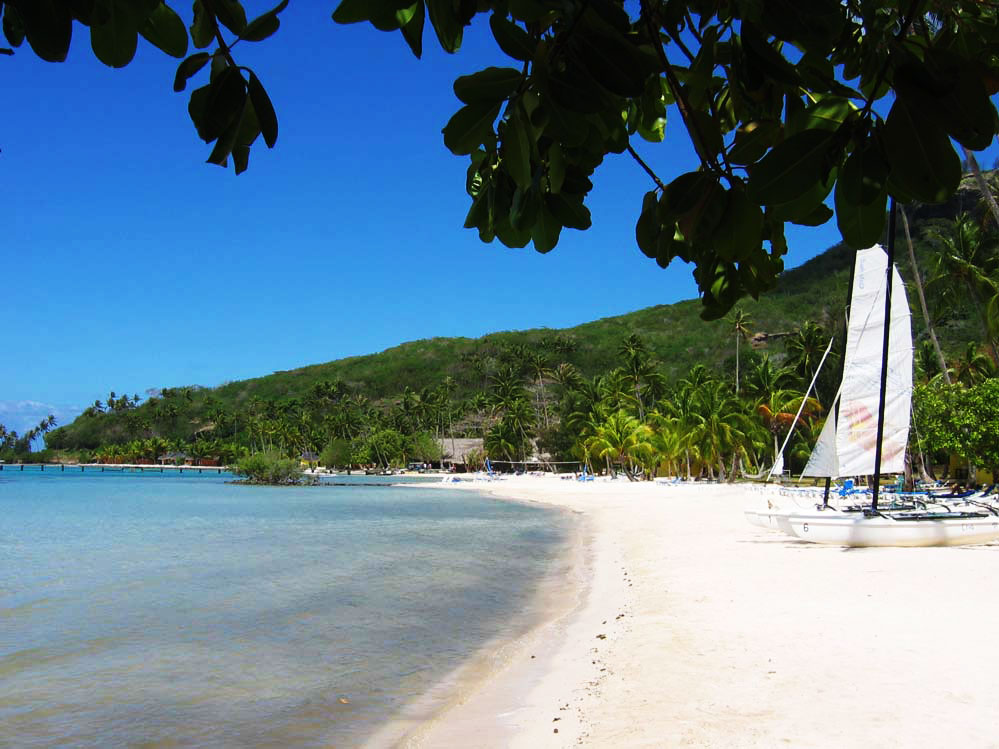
846,446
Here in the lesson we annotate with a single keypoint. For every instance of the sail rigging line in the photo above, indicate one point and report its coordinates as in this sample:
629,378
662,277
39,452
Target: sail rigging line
884,360
808,392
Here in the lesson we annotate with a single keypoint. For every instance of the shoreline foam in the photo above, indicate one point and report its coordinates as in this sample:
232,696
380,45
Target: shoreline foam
736,636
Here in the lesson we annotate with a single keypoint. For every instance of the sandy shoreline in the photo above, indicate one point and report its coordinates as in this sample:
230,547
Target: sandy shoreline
698,629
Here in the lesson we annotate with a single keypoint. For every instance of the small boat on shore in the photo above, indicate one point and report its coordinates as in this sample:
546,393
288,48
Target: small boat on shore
866,435
895,528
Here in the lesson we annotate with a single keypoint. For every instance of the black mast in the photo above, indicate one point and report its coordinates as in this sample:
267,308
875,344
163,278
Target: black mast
884,359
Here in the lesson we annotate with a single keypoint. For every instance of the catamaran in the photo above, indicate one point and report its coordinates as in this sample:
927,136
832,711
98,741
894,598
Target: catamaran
867,432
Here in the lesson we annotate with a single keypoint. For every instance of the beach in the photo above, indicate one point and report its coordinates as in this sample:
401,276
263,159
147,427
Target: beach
692,627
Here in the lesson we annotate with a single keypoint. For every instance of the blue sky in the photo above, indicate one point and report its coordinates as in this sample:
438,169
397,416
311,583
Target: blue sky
131,264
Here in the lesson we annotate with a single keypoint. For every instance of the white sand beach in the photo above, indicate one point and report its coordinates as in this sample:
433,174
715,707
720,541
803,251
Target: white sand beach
697,629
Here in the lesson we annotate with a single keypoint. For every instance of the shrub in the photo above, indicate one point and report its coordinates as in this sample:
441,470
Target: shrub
269,468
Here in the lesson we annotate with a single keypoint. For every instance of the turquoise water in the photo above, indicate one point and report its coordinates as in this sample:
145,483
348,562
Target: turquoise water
173,610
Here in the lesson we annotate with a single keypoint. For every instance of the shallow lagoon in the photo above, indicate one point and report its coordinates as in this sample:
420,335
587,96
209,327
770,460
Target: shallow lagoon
183,610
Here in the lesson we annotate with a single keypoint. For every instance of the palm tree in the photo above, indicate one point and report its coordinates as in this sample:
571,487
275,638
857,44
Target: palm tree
537,363
974,367
778,412
922,295
805,348
765,378
719,425
739,322
637,366
615,390
927,364
620,439
963,269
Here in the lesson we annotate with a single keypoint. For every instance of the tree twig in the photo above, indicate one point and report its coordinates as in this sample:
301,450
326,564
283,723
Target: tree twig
646,167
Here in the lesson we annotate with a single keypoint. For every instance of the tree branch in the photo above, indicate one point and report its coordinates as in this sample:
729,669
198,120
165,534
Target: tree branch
678,94
646,167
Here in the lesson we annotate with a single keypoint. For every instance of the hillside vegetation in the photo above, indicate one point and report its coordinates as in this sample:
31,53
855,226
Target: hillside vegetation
389,403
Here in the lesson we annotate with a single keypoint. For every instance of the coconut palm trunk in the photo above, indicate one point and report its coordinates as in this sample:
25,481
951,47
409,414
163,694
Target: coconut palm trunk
982,184
922,296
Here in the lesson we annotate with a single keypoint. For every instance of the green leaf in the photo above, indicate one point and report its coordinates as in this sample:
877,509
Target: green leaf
469,127
48,26
115,39
768,60
739,231
511,38
189,67
13,27
571,213
491,85
651,111
265,24
248,131
478,212
528,10
802,209
203,27
164,29
230,14
197,106
861,197
446,23
949,89
227,140
226,97
546,231
813,26
648,227
353,11
611,60
923,163
524,208
752,141
686,191
828,113
863,177
412,30
556,168
515,150
264,111
860,224
708,133
576,91
791,168
819,215
565,127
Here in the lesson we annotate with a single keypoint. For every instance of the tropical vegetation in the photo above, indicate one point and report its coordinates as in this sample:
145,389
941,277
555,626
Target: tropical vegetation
271,468
786,105
654,392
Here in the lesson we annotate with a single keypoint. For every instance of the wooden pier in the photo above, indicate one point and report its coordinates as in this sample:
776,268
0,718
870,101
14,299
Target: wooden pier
111,468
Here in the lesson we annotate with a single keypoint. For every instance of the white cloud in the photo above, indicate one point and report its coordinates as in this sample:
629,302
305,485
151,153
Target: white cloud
23,415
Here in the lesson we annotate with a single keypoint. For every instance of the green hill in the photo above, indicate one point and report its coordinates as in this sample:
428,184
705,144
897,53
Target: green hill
674,333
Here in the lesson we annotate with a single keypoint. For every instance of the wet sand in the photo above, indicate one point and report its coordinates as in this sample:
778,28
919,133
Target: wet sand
698,629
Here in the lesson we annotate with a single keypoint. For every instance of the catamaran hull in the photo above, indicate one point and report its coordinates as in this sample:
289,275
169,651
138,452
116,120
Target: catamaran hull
855,530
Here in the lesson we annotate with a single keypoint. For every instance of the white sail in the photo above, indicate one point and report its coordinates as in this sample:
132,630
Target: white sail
846,445
777,468
823,461
856,429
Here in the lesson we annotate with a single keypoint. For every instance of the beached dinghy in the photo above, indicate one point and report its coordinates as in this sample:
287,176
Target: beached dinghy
868,429
895,528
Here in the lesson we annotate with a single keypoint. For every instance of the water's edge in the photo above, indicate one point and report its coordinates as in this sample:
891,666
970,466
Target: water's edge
558,596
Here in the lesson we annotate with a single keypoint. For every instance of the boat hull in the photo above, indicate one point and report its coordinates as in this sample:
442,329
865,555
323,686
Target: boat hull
843,529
